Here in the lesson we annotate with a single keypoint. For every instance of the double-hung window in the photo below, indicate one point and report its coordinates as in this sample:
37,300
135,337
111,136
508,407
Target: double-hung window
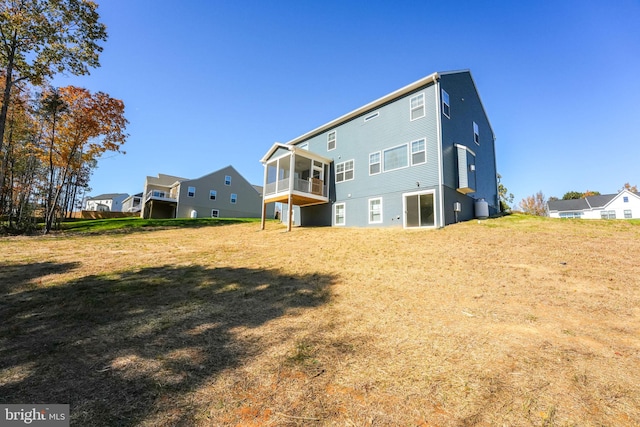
628,214
331,141
374,163
417,106
340,214
234,198
227,180
375,211
395,158
191,192
213,194
215,213
446,110
344,171
418,152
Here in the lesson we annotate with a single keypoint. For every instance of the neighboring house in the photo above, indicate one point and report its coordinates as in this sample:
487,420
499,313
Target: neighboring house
224,193
132,203
422,156
106,202
624,205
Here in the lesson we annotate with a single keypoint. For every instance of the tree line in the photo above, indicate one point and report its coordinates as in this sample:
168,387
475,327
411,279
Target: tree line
50,138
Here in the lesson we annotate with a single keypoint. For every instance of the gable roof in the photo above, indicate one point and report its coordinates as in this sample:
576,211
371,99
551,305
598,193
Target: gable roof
108,196
586,203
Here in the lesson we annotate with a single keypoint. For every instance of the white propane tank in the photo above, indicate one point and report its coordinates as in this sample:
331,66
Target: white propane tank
194,214
482,209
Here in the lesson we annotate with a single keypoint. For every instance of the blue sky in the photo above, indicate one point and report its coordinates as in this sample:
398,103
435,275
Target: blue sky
207,83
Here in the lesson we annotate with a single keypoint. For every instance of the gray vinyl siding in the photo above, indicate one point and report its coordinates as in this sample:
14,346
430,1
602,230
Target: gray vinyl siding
248,205
466,108
356,140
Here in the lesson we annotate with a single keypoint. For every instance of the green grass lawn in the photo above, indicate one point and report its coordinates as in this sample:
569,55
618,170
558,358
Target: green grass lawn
127,224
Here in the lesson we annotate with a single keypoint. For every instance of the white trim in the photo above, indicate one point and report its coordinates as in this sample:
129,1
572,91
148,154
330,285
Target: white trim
404,208
217,213
191,193
406,145
440,158
344,215
225,179
423,106
369,211
233,200
213,193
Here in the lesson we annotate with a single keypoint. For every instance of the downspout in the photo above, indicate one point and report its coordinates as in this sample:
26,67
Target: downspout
292,165
264,191
439,143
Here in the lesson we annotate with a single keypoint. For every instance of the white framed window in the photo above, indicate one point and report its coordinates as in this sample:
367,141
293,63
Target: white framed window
446,110
628,214
608,214
571,215
417,106
344,171
374,163
215,213
191,192
340,214
375,210
234,198
227,180
418,152
371,116
625,199
331,141
395,158
213,194
476,133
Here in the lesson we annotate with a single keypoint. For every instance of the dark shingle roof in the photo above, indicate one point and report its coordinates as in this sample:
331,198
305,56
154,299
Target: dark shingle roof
590,202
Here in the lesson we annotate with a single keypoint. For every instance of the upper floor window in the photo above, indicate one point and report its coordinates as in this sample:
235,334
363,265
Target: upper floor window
417,106
418,152
625,199
374,163
344,171
395,158
445,104
234,198
331,141
213,194
476,133
191,191
227,180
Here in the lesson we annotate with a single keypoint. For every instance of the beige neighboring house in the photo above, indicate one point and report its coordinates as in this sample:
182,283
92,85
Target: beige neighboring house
221,194
106,202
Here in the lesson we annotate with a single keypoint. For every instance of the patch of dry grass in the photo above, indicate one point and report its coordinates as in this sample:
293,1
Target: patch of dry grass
513,321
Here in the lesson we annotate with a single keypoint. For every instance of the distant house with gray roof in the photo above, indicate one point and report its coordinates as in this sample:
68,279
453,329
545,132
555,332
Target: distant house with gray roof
623,205
111,202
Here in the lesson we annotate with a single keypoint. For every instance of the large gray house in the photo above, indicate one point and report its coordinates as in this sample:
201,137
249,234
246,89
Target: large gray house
422,156
223,193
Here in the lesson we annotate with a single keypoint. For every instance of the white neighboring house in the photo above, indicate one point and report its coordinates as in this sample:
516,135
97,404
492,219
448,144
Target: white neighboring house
106,202
624,205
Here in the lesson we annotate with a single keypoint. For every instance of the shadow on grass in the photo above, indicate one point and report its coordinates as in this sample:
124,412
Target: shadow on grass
118,348
131,225
16,277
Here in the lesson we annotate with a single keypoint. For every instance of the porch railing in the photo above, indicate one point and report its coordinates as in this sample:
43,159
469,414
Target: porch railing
159,194
311,186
